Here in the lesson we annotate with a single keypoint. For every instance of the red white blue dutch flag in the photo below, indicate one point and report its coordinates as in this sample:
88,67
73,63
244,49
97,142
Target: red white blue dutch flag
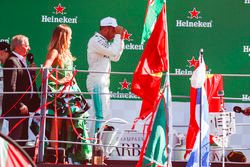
199,156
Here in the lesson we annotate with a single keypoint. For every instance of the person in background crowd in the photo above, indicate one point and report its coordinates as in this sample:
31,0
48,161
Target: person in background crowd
4,51
18,80
4,55
100,53
67,104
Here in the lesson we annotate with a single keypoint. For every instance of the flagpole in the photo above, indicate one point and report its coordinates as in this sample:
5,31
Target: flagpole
200,152
169,121
200,125
43,117
201,58
169,105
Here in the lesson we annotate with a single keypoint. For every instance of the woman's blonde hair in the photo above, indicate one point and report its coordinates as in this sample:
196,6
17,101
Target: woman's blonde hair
61,42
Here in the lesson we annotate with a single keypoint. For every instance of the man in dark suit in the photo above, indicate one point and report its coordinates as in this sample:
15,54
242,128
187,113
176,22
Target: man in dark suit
17,80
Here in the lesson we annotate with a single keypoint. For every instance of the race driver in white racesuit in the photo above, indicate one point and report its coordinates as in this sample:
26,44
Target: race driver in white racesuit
101,51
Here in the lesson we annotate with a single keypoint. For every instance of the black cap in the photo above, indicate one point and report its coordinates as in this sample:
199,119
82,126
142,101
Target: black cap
5,46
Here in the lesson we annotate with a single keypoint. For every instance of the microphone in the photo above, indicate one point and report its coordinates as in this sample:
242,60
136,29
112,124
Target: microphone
30,58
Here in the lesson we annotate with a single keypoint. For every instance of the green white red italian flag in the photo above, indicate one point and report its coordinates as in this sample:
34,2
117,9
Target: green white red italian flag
156,102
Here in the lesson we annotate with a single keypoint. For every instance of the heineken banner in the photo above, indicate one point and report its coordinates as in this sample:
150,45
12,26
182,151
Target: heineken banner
221,28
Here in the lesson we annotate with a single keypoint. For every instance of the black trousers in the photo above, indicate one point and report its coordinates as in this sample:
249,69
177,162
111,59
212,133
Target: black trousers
20,132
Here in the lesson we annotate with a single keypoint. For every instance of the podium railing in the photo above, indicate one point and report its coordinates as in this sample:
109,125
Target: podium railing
43,116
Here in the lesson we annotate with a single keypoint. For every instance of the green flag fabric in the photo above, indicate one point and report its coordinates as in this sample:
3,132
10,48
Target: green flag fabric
156,153
156,149
153,10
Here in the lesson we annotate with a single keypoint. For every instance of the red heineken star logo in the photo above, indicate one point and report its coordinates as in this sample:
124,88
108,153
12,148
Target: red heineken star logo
127,36
125,84
59,9
194,13
193,62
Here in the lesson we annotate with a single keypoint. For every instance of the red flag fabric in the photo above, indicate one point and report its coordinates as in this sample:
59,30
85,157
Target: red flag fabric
193,125
147,76
213,85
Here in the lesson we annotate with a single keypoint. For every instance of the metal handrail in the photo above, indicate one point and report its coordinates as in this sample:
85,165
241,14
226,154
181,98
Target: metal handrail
42,139
117,72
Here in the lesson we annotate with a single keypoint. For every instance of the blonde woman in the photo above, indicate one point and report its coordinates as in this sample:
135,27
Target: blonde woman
59,56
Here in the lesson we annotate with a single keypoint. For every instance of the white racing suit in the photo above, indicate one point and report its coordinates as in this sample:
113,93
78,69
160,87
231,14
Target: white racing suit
100,54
